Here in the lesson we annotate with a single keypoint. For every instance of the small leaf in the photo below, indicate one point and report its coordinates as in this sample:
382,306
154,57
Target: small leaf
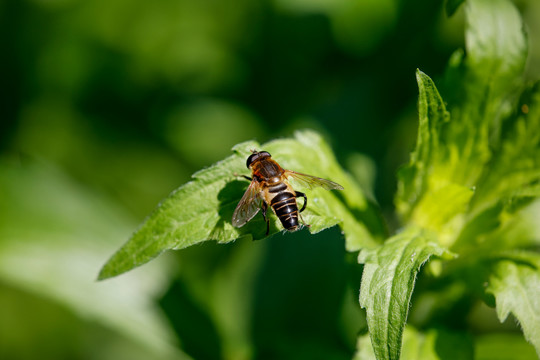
516,287
387,285
426,181
202,209
413,178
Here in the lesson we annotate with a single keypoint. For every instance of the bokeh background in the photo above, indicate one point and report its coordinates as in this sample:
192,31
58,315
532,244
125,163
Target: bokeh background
106,106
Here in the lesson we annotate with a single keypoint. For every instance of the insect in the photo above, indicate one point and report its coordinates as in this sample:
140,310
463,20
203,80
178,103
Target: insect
270,188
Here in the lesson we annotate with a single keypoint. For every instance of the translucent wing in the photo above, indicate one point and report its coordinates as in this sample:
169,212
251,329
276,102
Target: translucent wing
311,182
249,205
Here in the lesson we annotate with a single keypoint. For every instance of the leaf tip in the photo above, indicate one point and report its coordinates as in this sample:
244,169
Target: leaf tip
105,273
420,75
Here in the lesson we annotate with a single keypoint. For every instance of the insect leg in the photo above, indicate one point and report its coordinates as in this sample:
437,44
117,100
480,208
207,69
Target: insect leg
301,194
244,176
264,208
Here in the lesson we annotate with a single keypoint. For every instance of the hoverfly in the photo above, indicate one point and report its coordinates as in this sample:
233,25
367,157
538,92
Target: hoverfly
269,188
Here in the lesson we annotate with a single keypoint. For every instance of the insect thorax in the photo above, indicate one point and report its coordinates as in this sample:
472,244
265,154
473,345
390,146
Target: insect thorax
269,171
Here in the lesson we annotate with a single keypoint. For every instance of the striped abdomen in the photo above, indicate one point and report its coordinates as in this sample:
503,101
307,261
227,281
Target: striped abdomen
284,205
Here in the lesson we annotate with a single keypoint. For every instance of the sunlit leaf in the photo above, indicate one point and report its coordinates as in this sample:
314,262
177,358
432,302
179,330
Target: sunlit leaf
387,285
426,182
481,160
516,287
413,178
202,209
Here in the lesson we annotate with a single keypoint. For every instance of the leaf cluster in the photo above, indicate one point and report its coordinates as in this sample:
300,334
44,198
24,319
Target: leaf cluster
463,201
473,171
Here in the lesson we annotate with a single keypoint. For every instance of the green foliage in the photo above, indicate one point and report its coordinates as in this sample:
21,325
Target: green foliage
461,199
515,284
107,106
387,285
202,209
474,167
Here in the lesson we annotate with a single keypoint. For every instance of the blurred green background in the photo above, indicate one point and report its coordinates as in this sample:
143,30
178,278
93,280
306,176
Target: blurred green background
106,106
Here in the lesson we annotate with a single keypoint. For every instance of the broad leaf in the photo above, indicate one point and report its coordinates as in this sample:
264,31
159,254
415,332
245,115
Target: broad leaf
202,209
434,344
516,287
387,285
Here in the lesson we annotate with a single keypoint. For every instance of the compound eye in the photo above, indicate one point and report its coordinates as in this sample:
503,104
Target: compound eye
264,154
251,158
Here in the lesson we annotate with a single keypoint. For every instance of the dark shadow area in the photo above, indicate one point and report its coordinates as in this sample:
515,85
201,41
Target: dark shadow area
193,326
451,345
229,197
299,294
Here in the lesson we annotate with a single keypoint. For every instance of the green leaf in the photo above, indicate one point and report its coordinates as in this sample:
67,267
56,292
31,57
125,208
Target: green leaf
413,178
387,285
364,170
516,287
202,209
515,169
53,235
511,183
470,171
487,84
496,43
485,154
497,53
426,182
434,344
